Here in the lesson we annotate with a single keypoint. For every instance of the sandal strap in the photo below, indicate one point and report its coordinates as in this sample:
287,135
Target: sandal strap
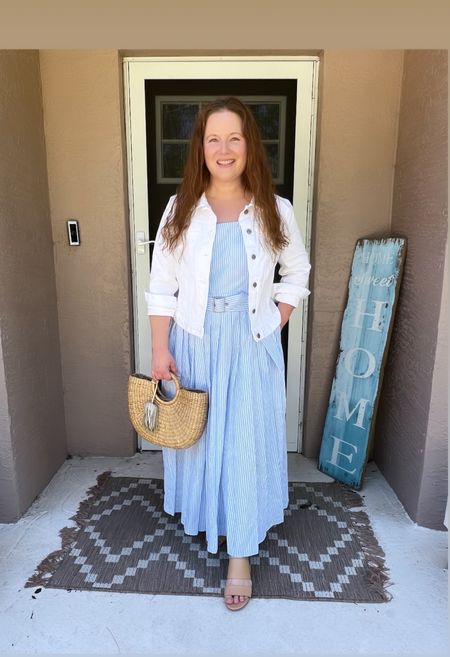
238,586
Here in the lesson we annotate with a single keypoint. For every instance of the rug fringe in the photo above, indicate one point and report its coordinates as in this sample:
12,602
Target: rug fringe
377,571
68,535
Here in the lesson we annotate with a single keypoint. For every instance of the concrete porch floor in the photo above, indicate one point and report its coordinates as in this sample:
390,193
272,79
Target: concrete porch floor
414,622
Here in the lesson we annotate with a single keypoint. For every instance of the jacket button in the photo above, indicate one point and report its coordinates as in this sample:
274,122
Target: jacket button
245,211
254,310
253,256
258,335
249,230
255,284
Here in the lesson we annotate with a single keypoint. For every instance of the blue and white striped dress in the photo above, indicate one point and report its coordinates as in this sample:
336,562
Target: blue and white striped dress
234,480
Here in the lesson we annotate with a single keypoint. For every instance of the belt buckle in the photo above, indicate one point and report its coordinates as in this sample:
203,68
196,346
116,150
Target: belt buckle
219,304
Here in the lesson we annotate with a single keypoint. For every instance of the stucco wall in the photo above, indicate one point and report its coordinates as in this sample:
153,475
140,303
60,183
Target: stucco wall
32,430
359,102
86,152
411,436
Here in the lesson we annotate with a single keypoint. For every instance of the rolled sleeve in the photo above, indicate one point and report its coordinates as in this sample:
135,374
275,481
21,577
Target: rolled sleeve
294,266
160,295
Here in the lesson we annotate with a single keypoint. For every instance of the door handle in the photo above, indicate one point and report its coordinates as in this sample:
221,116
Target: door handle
141,242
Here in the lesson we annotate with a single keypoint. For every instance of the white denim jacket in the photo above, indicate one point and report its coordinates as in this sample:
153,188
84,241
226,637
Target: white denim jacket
179,281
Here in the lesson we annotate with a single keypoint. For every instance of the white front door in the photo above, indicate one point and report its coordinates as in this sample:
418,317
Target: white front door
162,98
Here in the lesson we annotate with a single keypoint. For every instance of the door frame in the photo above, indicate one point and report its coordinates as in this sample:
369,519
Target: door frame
305,69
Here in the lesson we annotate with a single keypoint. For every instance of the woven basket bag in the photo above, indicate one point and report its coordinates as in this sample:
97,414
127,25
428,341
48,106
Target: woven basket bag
178,422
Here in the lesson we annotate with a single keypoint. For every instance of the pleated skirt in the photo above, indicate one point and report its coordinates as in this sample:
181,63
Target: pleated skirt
233,481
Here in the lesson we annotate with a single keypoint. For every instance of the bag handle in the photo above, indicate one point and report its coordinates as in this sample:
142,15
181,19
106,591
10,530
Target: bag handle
164,400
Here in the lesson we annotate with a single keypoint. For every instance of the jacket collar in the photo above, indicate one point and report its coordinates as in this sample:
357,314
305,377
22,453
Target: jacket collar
203,202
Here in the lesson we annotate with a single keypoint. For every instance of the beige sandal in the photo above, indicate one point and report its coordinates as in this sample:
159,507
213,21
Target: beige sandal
237,586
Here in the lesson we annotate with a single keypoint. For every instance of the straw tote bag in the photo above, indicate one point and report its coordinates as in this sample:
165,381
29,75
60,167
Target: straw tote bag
178,422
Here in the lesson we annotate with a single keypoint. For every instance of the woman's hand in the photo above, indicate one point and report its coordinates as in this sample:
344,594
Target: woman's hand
285,312
162,364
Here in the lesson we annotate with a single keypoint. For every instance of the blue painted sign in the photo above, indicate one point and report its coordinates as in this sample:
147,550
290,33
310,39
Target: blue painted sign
365,333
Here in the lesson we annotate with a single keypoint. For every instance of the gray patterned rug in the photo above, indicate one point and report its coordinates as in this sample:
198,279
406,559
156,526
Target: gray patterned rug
124,541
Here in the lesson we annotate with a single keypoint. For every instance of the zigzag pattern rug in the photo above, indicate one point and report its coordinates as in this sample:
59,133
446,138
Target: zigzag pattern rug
124,541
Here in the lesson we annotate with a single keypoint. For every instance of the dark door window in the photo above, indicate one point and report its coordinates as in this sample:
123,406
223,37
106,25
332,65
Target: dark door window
174,120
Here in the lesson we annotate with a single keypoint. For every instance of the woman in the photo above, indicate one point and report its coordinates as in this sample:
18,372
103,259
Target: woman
215,322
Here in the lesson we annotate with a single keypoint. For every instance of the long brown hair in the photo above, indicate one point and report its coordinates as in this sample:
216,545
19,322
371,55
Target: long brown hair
256,178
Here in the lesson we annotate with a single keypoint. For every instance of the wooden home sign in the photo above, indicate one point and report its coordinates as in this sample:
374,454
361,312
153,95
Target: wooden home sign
365,333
